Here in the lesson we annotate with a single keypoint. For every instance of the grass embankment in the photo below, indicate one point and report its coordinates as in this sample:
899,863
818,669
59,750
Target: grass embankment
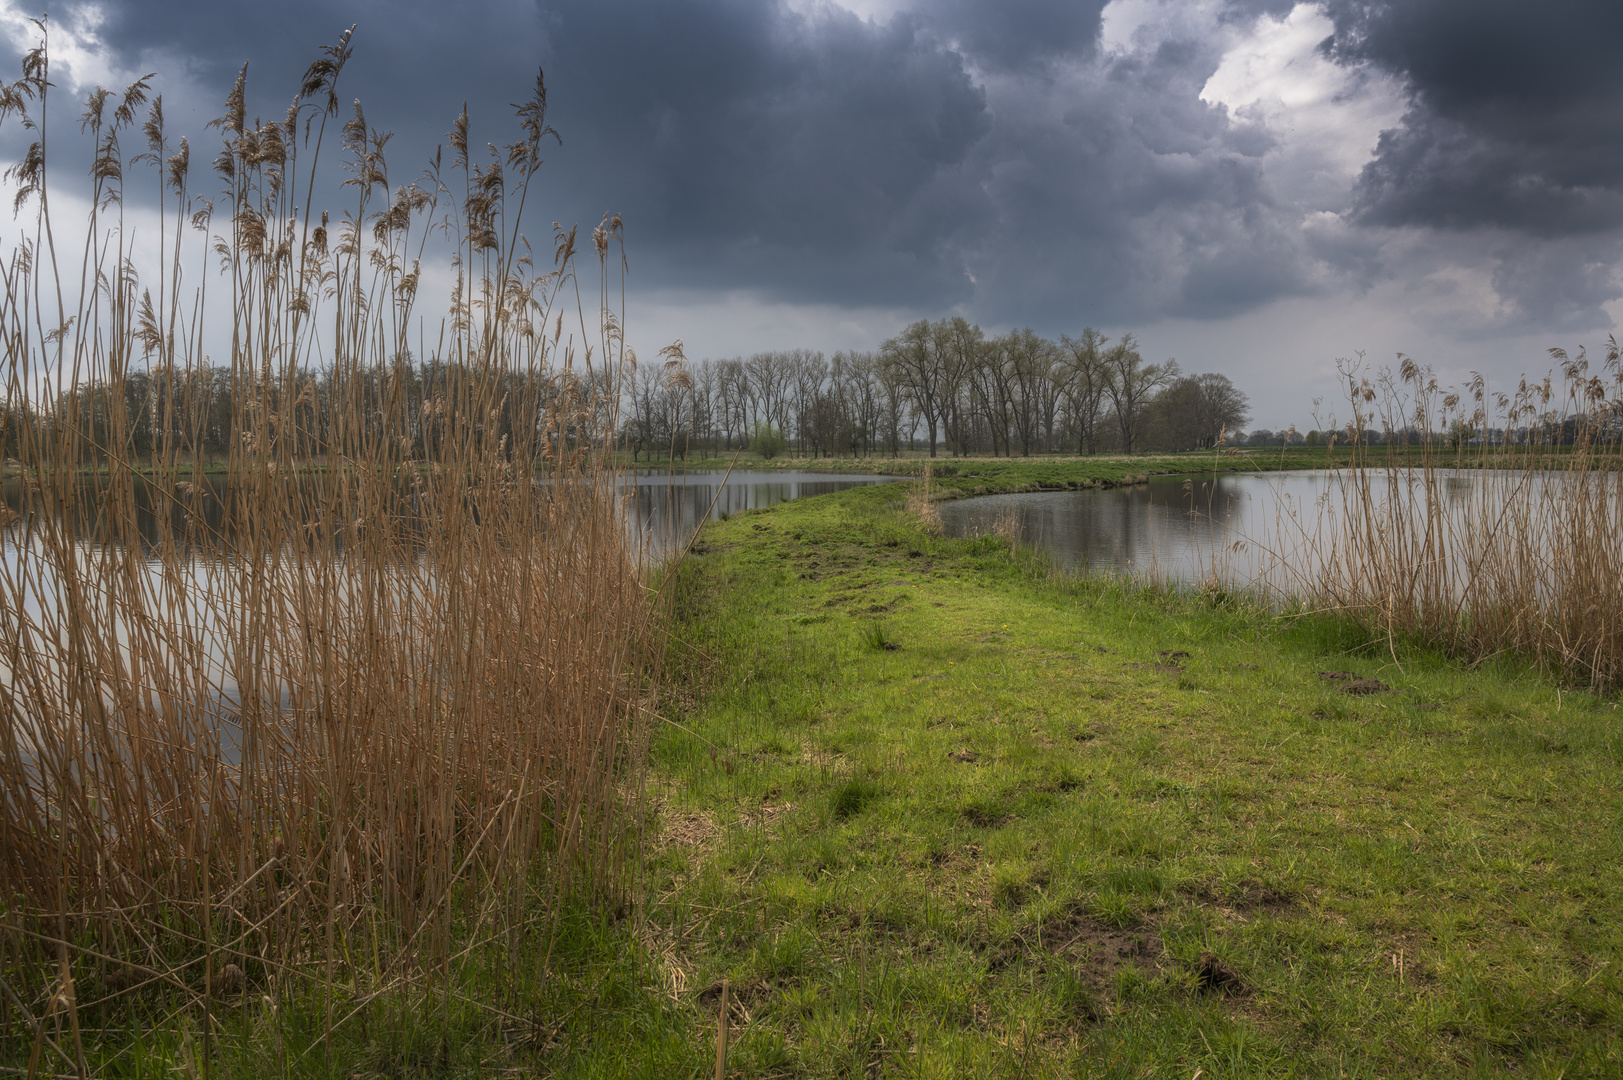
1062,470
934,813
1041,472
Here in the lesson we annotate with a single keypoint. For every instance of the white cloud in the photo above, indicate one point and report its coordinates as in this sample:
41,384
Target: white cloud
79,57
1326,118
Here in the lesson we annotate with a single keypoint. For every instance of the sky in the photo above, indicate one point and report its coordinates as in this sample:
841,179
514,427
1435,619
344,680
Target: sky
1249,186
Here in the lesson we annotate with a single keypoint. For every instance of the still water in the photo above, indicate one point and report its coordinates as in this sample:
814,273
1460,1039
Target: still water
1245,526
666,510
202,598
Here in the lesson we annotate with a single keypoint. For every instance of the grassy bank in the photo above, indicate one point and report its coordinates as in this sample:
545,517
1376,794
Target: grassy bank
1046,470
933,814
1061,470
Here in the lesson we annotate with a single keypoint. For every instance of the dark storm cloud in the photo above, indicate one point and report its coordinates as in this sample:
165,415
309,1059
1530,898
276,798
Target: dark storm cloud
1132,198
911,161
802,152
1006,34
414,63
988,154
1516,115
816,155
410,55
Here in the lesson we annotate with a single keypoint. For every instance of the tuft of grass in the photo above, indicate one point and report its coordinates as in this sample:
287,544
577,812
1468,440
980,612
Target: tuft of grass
877,636
851,797
921,503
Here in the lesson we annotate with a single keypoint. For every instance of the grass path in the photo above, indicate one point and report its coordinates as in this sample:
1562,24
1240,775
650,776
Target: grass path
934,814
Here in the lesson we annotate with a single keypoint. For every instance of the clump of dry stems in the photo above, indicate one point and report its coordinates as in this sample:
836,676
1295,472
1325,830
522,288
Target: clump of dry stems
259,720
921,503
1487,522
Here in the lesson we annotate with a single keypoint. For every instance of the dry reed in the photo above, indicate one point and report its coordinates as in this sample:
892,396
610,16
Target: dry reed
1487,523
261,721
921,503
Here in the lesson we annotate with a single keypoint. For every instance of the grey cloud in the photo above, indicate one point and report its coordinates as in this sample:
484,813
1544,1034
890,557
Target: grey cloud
1516,115
812,155
1005,35
1559,284
1132,200
974,154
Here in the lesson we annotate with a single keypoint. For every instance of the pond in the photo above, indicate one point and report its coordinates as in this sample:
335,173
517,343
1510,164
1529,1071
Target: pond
1245,525
201,589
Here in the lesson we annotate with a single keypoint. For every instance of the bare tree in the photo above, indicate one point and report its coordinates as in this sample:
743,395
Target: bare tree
1132,384
1196,409
914,361
1087,384
1029,365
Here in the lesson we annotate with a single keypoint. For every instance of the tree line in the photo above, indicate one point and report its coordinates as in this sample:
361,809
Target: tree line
944,386
204,412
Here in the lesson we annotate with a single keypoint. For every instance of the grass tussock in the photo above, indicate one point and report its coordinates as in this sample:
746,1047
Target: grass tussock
381,681
1504,533
921,503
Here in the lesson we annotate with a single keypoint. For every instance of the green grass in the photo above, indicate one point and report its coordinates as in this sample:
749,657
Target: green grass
1022,843
983,475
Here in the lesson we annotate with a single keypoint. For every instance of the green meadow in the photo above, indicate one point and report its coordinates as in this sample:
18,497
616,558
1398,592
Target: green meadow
934,811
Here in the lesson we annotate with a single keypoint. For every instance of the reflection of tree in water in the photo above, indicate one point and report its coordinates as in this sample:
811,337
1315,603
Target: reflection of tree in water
1160,527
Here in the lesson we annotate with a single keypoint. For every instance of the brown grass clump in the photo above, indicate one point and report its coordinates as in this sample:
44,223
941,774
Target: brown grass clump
260,718
1489,523
921,503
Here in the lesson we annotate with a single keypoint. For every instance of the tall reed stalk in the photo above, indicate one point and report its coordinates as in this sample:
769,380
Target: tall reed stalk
1488,523
261,720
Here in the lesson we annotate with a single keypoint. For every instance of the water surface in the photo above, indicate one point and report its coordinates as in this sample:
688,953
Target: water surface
1177,528
667,509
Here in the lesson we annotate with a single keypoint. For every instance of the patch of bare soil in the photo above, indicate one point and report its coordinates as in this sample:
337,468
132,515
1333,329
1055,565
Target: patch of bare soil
742,1001
1097,950
967,855
981,818
1248,895
1365,686
1172,656
1246,900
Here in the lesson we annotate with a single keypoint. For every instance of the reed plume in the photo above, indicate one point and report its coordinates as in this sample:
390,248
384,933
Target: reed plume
1486,522
295,645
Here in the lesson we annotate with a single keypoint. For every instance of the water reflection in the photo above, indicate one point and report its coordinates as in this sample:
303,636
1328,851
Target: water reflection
1177,528
667,510
203,598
